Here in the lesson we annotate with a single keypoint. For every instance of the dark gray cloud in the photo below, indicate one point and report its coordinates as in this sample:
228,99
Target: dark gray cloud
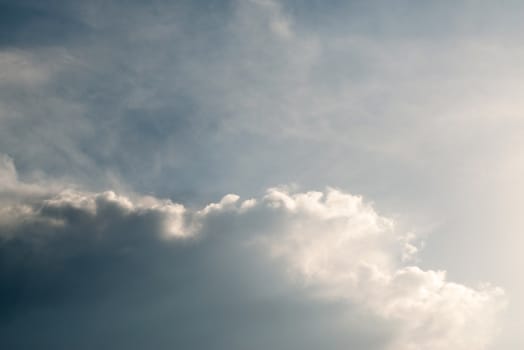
288,270
71,278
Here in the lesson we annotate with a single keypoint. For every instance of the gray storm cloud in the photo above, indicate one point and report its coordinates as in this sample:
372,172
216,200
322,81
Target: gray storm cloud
68,250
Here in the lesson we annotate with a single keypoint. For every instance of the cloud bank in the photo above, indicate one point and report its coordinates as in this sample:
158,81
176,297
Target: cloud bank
287,270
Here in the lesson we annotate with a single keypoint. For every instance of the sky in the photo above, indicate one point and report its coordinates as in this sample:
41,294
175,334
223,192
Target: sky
254,174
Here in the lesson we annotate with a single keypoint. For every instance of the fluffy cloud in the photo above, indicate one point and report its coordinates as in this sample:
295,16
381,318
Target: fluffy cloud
288,270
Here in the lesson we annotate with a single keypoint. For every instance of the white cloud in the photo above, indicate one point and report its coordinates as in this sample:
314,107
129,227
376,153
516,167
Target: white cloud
333,245
345,250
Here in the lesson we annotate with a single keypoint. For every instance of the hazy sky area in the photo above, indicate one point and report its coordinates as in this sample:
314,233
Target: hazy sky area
261,174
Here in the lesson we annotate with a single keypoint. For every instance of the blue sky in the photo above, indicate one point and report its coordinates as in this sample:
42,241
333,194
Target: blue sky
412,107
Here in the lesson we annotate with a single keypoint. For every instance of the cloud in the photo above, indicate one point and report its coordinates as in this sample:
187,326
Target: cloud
132,99
345,250
29,23
290,269
190,100
21,69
